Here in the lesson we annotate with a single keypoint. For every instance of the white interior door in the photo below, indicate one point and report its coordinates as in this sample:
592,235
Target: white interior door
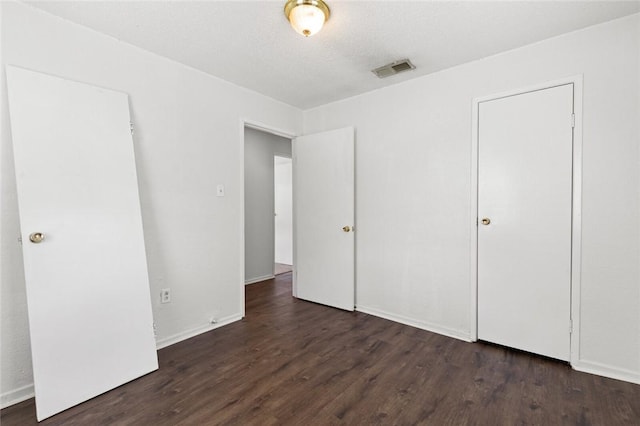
88,298
323,180
283,203
524,190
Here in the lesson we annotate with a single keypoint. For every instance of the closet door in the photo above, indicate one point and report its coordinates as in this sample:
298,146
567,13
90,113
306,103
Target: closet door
524,221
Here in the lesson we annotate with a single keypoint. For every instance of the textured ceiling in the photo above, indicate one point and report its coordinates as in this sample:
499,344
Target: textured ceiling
251,44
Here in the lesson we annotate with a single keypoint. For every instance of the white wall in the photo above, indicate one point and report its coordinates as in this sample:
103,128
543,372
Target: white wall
283,203
259,149
188,138
413,162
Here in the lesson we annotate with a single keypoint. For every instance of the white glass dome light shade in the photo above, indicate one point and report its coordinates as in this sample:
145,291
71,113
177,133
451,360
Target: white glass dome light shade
307,16
306,19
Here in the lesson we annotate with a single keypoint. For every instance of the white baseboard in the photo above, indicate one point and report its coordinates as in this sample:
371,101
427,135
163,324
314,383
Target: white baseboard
607,371
17,395
25,392
435,328
258,279
171,340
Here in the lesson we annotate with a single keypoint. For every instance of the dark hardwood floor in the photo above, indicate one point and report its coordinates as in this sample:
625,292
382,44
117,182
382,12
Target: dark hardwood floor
297,363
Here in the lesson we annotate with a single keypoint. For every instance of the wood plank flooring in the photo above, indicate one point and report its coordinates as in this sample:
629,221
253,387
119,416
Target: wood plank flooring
291,362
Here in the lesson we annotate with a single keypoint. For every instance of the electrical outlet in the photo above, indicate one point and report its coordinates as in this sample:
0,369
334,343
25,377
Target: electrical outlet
165,295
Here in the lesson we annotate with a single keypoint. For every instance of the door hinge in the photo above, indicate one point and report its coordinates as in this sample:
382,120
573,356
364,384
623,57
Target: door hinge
131,127
570,326
573,120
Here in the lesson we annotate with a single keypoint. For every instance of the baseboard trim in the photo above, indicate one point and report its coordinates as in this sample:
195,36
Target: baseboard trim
16,396
23,393
179,337
607,371
258,279
434,328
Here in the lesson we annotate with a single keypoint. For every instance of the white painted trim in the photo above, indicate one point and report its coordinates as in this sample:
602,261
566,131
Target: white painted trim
473,219
283,155
576,220
267,129
16,396
294,228
434,328
606,371
241,229
532,88
259,279
184,335
354,227
23,393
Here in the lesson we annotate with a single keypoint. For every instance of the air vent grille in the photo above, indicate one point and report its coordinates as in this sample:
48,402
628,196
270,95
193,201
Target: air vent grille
393,68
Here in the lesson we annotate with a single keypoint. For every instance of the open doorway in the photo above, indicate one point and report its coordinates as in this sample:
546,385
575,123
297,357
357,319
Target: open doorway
260,151
283,214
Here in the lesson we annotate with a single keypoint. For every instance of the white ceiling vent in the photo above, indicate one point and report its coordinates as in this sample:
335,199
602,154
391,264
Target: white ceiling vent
393,68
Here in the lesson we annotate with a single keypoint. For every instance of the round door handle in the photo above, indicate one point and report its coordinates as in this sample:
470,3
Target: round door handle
36,237
485,221
346,228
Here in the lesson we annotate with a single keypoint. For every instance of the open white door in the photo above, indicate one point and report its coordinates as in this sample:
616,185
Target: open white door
87,285
323,182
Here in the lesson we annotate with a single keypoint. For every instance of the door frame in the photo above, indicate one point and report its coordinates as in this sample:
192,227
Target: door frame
576,208
266,128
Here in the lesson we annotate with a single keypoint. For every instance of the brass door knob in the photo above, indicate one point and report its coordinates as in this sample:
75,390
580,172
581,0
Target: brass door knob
485,221
36,237
346,228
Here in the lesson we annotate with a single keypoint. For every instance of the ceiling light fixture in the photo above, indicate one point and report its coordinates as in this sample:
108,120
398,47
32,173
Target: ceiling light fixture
306,16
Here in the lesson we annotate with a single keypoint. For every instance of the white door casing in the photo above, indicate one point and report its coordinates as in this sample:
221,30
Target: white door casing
90,316
525,189
324,243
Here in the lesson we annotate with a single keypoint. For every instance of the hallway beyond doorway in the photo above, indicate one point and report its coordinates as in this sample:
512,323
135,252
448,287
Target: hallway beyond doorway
281,268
